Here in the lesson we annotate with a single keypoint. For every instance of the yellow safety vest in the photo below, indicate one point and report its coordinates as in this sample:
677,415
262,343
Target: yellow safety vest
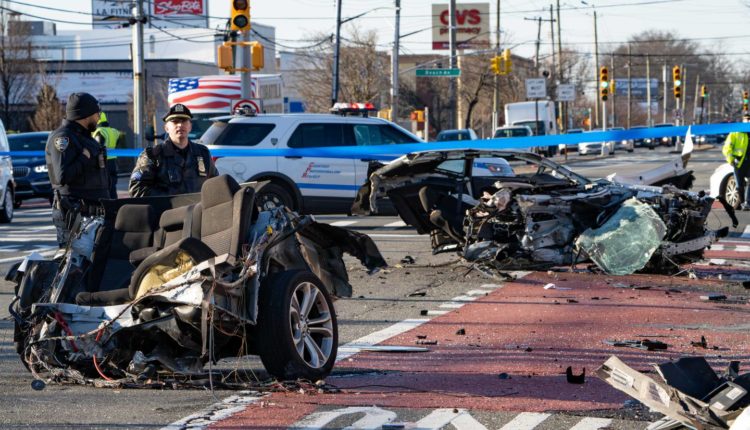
111,135
735,147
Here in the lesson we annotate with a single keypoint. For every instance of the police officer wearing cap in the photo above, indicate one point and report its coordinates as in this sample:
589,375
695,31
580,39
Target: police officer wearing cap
176,166
76,164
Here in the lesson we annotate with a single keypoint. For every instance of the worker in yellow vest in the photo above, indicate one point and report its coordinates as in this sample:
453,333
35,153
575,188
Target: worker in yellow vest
108,137
735,152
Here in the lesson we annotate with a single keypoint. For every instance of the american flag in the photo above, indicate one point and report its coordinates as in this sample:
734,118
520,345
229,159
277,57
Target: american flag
206,92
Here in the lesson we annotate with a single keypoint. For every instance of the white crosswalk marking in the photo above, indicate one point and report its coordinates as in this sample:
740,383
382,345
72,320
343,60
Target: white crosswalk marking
374,418
395,224
460,420
525,421
467,422
746,233
343,223
590,423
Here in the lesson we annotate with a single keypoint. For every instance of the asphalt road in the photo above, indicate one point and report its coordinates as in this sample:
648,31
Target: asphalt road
378,302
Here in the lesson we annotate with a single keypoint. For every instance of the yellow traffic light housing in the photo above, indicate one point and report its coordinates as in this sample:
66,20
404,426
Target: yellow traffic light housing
604,83
417,115
224,58
745,100
240,17
507,61
677,81
495,65
704,91
257,58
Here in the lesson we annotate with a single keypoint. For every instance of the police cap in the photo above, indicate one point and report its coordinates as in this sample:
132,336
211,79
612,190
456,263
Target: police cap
178,111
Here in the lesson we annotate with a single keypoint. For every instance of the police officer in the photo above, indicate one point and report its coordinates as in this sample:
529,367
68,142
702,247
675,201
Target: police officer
735,152
176,166
108,136
76,164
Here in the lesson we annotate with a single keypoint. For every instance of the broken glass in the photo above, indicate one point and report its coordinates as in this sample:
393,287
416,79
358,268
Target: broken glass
626,241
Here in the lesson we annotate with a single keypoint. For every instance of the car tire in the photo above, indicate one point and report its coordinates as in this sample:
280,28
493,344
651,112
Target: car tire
631,150
6,210
293,342
730,192
272,196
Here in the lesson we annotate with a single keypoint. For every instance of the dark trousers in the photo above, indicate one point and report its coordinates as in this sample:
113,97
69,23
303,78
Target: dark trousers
112,170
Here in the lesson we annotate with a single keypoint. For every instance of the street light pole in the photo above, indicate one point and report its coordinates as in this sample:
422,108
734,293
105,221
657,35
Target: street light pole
336,52
452,42
496,95
394,64
138,81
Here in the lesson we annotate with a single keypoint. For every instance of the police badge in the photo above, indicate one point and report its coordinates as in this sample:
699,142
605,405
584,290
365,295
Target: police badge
61,143
201,166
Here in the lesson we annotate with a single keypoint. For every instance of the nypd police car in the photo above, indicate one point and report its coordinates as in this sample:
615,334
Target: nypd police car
309,184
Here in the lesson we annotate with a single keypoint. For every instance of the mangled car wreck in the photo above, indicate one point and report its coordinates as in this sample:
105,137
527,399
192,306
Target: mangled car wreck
473,202
161,286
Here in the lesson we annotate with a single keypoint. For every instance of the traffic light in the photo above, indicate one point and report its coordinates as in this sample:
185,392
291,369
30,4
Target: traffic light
704,91
745,96
417,115
604,83
224,58
495,65
677,81
507,61
240,20
257,59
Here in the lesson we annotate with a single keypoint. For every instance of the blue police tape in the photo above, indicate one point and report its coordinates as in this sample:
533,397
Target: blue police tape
389,152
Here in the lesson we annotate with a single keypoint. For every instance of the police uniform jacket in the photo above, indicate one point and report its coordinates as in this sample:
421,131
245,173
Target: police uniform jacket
161,170
70,171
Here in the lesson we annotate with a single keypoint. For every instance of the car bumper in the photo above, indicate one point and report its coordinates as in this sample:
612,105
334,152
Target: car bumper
30,187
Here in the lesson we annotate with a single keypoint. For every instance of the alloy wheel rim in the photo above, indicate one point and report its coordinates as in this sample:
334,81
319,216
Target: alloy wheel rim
732,193
8,204
311,325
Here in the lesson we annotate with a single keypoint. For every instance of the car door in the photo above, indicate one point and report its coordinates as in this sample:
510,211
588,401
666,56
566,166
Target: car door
369,134
326,183
6,168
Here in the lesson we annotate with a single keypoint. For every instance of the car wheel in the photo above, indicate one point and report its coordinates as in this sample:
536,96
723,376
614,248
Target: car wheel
730,192
17,203
630,150
6,210
297,330
273,196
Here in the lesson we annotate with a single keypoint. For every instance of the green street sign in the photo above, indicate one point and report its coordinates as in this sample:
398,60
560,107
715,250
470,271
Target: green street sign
438,73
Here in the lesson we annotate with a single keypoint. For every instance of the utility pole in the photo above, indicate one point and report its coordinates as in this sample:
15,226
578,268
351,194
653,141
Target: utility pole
684,97
697,92
596,71
664,90
139,92
553,72
336,52
496,95
564,105
648,91
630,87
452,43
394,64
538,41
613,88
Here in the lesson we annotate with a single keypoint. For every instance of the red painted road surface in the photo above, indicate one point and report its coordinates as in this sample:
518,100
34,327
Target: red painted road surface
532,334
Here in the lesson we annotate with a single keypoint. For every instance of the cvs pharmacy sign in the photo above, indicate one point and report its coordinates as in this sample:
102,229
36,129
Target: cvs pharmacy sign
472,26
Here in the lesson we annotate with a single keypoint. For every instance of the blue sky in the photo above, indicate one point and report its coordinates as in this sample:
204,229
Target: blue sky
712,22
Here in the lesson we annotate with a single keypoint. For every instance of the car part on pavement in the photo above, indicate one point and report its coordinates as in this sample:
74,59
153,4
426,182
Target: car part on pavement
548,217
158,287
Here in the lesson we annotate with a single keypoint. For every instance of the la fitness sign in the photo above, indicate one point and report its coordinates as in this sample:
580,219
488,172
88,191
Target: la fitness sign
472,26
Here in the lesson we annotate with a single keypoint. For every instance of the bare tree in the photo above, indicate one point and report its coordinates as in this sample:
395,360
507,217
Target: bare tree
49,111
18,72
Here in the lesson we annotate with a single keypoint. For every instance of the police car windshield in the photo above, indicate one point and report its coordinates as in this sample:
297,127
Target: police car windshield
34,142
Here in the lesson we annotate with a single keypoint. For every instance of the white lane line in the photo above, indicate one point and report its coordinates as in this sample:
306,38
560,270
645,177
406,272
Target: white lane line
394,235
216,412
46,252
736,248
343,223
491,286
395,224
477,293
451,305
354,346
590,423
27,238
525,421
436,313
746,234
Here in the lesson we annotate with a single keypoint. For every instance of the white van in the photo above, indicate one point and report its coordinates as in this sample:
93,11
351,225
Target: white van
7,185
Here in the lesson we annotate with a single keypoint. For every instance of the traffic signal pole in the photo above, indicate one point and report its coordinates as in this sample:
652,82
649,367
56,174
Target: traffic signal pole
336,52
245,75
139,93
394,63
496,95
452,80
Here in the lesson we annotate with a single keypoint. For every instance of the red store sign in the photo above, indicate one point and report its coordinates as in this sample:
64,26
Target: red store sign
178,7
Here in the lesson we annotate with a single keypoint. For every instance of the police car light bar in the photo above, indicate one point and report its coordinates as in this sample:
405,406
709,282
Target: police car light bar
354,108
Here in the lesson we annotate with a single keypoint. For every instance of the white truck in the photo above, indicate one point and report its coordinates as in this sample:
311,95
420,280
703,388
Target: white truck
211,96
539,116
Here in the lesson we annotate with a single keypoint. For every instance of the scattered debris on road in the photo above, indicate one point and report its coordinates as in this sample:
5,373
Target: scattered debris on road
646,344
575,379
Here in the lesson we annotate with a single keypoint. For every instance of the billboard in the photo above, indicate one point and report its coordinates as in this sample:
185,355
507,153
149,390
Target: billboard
637,87
162,13
107,87
472,26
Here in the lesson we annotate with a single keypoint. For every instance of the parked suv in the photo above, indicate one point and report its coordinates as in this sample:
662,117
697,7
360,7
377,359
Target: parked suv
7,184
30,172
316,184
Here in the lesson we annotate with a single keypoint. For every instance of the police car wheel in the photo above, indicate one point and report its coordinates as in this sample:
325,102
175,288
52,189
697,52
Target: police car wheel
6,210
273,196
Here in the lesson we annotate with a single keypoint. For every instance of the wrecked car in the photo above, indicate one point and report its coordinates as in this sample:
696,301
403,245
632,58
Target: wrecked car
546,217
155,288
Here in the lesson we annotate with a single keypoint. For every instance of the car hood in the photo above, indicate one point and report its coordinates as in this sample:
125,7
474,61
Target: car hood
27,161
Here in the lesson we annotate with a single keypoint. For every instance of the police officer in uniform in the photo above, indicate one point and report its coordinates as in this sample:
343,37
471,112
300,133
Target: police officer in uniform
108,136
76,164
176,166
